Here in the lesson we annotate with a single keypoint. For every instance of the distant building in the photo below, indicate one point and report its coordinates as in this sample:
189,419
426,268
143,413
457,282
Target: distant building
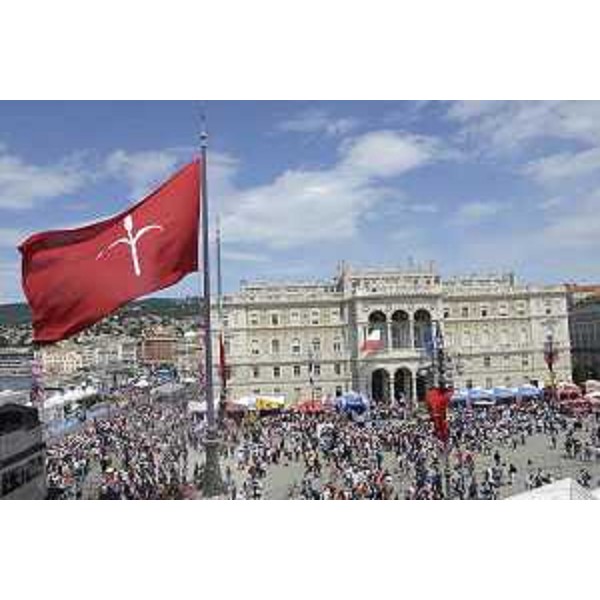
22,454
584,327
280,335
159,346
15,361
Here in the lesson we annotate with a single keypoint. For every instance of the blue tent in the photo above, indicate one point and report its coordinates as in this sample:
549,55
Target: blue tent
528,391
460,397
479,396
352,401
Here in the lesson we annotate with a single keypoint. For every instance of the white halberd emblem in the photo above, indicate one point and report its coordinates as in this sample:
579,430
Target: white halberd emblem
131,240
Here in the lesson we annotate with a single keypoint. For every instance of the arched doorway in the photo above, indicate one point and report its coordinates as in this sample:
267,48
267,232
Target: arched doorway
403,384
378,321
422,327
380,385
422,386
400,330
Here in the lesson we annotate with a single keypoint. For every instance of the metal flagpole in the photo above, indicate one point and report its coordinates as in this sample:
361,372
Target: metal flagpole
211,481
222,358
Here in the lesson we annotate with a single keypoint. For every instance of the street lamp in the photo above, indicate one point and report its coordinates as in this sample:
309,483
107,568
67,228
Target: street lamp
550,356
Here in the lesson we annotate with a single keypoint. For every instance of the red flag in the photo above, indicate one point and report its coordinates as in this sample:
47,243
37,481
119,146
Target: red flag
74,278
437,402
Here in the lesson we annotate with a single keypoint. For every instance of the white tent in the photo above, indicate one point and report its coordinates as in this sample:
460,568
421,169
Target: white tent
564,489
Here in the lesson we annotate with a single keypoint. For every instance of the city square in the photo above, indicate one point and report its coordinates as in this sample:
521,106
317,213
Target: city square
326,371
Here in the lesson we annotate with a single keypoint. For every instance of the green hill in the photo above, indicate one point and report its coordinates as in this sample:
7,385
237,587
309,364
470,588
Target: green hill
15,314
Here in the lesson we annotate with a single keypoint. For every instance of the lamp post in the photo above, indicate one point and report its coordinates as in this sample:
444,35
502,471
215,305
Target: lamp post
550,356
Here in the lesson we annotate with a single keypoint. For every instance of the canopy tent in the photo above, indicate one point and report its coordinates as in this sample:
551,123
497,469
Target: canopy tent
564,489
352,402
259,402
591,385
479,396
270,402
527,391
309,406
504,394
59,399
568,391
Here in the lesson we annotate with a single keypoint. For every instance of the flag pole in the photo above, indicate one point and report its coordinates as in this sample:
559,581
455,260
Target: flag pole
211,481
222,367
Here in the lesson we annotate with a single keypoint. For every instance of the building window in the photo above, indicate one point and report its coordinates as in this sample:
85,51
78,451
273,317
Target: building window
318,391
277,390
487,361
316,345
254,318
488,382
521,308
524,360
275,319
276,372
484,311
466,338
256,391
337,369
295,317
296,347
335,315
254,347
446,313
274,346
317,370
503,310
523,336
225,321
255,372
297,370
337,346
464,311
315,317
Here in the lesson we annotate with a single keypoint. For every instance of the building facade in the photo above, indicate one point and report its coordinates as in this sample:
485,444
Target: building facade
307,340
584,325
15,361
22,454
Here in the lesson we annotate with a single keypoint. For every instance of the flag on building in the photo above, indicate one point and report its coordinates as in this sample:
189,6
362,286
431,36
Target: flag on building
74,278
373,342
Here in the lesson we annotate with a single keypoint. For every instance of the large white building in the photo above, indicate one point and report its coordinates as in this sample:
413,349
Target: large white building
493,327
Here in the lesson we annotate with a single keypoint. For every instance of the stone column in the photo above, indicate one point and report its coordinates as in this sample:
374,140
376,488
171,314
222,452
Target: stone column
411,332
388,343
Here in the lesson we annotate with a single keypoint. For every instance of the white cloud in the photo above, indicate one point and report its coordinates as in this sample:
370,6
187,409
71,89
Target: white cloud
387,153
304,207
22,184
505,125
475,212
244,257
318,120
144,170
564,165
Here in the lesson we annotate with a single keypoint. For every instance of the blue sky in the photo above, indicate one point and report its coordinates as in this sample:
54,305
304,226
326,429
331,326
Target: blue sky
474,186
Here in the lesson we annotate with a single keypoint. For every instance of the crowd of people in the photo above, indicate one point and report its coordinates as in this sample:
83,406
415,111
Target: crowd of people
388,456
138,452
152,450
